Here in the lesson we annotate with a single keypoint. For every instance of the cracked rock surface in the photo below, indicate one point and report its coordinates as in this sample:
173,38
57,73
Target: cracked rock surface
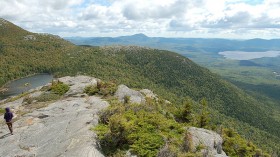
60,129
210,140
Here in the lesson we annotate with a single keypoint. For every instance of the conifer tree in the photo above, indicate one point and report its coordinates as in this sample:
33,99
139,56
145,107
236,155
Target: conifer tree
204,115
187,110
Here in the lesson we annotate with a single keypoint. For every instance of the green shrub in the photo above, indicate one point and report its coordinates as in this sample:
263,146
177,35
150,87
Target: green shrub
142,129
102,88
106,88
14,98
91,90
199,147
204,117
45,88
147,144
47,97
147,130
2,111
106,114
235,145
44,97
188,143
28,100
126,99
185,112
59,88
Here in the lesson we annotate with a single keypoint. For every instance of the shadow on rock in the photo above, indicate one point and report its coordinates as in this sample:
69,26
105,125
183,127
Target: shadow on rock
4,136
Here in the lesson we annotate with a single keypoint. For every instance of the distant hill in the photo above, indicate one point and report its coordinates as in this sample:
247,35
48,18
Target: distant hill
182,44
169,74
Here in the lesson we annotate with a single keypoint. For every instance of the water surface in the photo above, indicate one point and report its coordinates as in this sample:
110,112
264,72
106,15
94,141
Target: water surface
241,55
22,85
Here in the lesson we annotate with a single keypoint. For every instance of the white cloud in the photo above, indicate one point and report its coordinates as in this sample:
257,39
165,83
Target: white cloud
180,18
141,10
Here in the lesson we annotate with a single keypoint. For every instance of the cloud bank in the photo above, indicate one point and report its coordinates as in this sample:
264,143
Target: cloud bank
169,18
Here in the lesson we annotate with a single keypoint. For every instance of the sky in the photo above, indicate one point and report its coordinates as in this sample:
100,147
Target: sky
237,19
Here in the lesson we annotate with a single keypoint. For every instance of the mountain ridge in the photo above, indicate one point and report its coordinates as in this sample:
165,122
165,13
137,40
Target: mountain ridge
203,43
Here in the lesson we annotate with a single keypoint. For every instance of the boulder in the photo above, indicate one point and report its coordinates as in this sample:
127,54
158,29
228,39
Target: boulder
135,96
209,141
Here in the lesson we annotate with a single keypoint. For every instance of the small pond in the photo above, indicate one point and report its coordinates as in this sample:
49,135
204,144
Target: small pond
24,84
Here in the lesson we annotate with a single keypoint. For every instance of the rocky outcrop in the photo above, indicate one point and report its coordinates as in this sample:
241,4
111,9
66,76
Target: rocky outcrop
77,84
29,37
209,142
148,93
60,128
134,96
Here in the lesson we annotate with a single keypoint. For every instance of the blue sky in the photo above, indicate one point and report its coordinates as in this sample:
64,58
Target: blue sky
251,2
86,3
241,19
254,2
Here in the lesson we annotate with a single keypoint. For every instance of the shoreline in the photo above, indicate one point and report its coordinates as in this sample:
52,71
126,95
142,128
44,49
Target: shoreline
4,89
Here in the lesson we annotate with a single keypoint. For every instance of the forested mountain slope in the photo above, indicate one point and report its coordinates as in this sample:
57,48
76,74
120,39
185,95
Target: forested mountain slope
169,74
258,75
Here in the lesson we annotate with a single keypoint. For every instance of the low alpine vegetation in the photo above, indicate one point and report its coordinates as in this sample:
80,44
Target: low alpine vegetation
59,88
235,145
145,129
142,129
2,111
44,97
159,129
101,88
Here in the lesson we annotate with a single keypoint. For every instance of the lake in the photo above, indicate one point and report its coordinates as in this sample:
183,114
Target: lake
24,84
241,55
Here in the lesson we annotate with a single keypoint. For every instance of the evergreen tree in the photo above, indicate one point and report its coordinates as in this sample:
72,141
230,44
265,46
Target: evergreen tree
187,110
204,115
